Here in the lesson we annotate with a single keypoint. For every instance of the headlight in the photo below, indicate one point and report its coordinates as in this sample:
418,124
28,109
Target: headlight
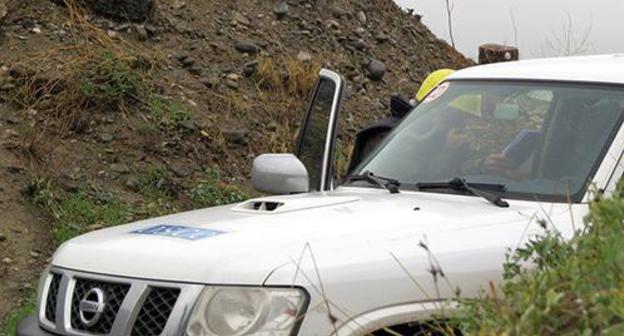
239,311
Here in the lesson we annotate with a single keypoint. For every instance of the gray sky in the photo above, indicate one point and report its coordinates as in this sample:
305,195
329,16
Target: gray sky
541,24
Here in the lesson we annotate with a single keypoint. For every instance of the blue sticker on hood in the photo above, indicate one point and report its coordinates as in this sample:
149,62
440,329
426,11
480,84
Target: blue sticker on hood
177,231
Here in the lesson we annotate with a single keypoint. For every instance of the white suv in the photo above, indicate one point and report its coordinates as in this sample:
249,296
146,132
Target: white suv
487,160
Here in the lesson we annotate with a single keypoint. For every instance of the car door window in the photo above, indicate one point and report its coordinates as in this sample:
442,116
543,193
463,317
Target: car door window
312,144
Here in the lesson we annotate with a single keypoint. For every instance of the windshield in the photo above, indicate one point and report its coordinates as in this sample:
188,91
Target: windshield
541,140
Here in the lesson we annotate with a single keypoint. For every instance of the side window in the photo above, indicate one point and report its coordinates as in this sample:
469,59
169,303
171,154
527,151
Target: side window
314,133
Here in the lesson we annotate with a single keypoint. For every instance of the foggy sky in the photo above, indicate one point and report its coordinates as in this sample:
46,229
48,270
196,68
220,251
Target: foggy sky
541,24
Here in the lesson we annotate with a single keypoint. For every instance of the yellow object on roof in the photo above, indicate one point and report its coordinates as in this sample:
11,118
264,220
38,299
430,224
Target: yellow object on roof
432,81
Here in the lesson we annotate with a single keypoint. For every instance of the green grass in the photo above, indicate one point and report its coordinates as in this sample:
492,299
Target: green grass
169,113
212,192
78,212
158,191
108,80
9,326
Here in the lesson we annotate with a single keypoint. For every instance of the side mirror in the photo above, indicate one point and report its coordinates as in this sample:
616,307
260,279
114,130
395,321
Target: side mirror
279,174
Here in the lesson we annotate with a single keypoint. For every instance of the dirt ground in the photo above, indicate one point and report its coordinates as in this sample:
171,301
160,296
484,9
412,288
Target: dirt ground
25,239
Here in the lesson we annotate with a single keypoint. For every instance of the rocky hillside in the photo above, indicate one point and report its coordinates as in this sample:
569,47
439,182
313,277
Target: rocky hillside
107,116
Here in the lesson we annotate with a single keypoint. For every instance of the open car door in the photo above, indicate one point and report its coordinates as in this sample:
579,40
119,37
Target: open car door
317,136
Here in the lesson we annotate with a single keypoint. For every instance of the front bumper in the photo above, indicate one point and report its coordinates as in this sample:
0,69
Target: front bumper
30,327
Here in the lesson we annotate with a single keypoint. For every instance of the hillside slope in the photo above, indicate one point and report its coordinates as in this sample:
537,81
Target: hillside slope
104,122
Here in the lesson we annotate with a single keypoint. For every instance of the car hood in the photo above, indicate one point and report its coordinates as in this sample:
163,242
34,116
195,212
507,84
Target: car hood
244,243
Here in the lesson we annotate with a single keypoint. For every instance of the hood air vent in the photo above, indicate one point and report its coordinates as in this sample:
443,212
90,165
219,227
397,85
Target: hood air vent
282,204
263,206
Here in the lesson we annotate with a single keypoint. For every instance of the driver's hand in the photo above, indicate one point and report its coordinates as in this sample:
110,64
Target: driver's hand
497,163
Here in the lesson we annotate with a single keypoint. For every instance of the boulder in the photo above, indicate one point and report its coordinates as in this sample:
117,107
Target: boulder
247,46
126,10
376,70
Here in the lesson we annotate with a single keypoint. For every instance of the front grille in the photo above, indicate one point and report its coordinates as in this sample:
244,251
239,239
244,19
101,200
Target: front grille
150,307
155,312
114,295
52,299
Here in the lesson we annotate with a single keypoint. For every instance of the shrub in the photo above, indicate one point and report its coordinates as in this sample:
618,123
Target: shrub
576,286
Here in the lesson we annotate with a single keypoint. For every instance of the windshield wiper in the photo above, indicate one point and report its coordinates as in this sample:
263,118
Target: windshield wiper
389,184
478,189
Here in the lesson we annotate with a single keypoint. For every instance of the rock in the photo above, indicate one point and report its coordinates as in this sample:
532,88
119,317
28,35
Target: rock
178,4
188,62
272,126
241,19
247,46
151,30
382,37
196,69
235,136
281,9
332,24
36,30
140,32
233,76
250,68
119,168
180,170
232,84
34,254
376,70
361,17
3,237
358,44
122,27
133,184
338,12
7,261
210,82
106,137
304,56
181,55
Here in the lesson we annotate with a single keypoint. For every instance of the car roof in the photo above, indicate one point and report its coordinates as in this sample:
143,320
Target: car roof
594,69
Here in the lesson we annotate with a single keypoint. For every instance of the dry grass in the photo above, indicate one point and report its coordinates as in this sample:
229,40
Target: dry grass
283,86
95,72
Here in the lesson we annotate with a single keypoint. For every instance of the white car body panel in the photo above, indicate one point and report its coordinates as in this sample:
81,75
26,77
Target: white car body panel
608,69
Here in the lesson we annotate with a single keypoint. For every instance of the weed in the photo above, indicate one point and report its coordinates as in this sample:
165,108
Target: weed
78,212
211,192
158,191
107,80
168,112
9,327
574,287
